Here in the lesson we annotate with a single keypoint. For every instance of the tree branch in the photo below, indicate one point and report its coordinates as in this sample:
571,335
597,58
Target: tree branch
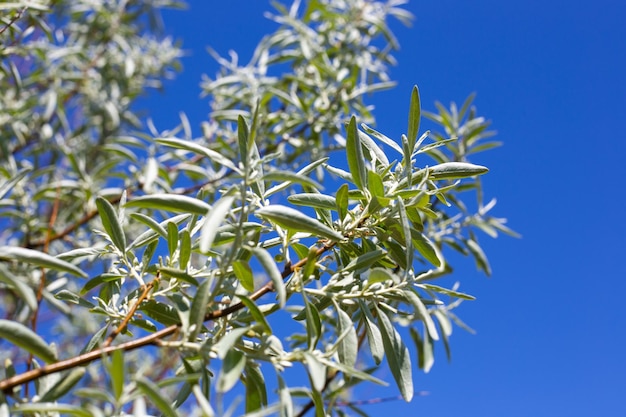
151,339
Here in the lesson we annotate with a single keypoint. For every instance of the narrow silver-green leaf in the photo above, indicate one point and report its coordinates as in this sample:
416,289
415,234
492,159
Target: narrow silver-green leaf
256,391
414,117
354,152
349,345
242,139
422,311
317,371
25,338
227,342
446,291
454,170
291,178
151,390
24,292
213,220
172,238
201,150
313,200
384,139
426,248
117,373
111,223
342,201
297,221
269,265
63,385
481,259
424,345
374,337
243,272
256,313
171,202
232,368
60,409
34,257
199,306
397,355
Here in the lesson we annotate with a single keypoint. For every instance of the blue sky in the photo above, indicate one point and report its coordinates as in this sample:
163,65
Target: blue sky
550,75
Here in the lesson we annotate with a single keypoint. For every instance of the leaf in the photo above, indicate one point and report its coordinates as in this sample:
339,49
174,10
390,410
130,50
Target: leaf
313,200
116,373
256,391
426,248
317,371
422,311
198,309
268,264
25,293
292,177
151,390
213,220
349,345
354,151
242,139
384,139
381,275
256,313
171,202
12,253
446,291
49,408
25,338
374,337
172,238
342,201
111,223
232,368
414,117
454,170
243,272
63,385
481,259
365,261
185,249
425,356
297,221
286,404
226,343
313,323
201,150
397,355
374,148
157,229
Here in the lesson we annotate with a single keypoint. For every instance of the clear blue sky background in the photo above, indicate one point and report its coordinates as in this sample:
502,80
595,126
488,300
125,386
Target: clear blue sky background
551,76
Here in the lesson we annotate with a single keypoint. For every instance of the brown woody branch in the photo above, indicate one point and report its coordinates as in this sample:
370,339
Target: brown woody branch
152,339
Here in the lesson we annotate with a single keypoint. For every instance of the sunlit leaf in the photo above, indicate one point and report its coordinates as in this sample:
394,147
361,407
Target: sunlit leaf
30,256
297,221
25,338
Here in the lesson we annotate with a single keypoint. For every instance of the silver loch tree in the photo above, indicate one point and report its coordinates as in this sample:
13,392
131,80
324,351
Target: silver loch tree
158,272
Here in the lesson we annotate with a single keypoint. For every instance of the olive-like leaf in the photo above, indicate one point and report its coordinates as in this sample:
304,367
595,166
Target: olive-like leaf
63,385
25,292
232,368
313,200
25,338
374,337
268,264
296,221
198,309
111,223
200,150
397,355
38,258
354,151
171,202
213,220
454,170
414,117
151,390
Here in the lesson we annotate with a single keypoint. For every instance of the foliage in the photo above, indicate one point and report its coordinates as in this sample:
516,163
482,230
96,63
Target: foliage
157,270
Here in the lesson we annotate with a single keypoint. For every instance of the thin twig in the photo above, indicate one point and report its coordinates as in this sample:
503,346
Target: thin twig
153,339
12,21
131,312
